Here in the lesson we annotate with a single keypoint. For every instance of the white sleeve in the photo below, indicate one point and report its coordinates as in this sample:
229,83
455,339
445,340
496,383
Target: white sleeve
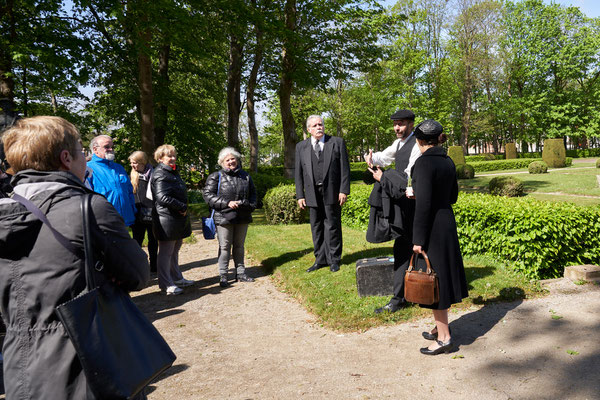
149,189
414,154
387,156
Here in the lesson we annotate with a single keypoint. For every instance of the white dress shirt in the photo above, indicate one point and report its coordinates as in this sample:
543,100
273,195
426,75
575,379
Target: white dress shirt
321,142
386,157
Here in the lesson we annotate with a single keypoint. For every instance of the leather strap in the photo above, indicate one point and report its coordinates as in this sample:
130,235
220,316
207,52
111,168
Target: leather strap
412,262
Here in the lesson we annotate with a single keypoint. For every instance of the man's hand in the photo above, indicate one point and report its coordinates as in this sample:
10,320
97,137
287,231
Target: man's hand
369,158
233,204
342,198
377,173
417,249
302,203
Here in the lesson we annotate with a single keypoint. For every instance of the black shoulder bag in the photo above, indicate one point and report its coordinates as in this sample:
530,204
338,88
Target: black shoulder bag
120,350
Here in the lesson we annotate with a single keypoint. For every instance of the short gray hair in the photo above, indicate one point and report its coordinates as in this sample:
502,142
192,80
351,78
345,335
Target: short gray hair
94,141
225,151
314,116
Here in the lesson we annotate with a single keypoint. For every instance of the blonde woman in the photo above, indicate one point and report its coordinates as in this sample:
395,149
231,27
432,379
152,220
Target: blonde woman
170,220
141,173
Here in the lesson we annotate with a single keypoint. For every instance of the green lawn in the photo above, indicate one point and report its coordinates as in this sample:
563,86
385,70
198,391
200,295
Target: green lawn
285,252
572,184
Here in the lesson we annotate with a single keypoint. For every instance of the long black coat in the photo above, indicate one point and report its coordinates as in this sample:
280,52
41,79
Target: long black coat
235,185
336,176
37,274
170,202
434,227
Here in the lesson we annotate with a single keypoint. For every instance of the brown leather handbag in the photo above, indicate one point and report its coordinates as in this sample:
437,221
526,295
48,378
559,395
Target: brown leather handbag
421,287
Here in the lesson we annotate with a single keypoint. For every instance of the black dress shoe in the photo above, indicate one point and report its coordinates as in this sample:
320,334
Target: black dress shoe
433,336
334,268
389,307
444,348
315,267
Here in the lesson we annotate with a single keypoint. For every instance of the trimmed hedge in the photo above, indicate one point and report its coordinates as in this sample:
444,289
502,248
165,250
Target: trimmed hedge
456,154
508,186
281,206
583,153
502,165
554,153
510,150
537,238
598,163
465,171
538,167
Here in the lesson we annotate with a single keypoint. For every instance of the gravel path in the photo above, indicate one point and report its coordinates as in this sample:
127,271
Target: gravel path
250,341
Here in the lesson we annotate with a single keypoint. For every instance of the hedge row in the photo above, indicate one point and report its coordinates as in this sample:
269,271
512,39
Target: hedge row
496,165
538,238
578,153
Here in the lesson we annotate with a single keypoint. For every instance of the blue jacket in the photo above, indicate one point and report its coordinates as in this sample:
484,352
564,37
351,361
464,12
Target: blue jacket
110,180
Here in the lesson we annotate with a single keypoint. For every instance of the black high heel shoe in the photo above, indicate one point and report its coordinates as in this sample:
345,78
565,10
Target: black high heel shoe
444,348
433,336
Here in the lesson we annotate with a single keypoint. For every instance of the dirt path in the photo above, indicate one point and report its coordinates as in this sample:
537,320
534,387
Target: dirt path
250,341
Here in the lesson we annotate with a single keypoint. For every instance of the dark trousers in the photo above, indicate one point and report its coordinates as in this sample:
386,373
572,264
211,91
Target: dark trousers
402,252
138,230
326,228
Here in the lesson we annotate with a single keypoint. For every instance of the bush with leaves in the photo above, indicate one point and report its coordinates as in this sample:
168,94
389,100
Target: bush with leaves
465,171
281,206
598,163
263,182
510,149
457,155
537,238
506,186
554,153
538,167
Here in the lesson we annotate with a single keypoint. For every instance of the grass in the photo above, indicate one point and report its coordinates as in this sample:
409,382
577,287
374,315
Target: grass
285,252
579,186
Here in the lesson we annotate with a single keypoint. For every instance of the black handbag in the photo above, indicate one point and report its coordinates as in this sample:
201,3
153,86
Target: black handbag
144,215
120,351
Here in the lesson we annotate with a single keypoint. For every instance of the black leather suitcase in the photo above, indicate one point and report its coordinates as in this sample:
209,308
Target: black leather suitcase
374,276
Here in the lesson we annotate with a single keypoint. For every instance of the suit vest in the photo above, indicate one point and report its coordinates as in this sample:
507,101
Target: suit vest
403,155
317,167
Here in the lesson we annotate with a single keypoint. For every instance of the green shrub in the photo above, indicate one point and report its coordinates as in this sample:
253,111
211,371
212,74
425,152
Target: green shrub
281,206
538,167
275,170
598,163
457,155
535,154
568,161
511,151
465,171
583,153
496,165
506,186
481,157
195,196
264,182
538,239
554,153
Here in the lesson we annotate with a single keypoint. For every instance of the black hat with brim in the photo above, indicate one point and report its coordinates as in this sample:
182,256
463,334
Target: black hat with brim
428,129
403,114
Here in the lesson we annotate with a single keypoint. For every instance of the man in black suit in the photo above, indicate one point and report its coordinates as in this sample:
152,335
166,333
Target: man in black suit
322,184
404,152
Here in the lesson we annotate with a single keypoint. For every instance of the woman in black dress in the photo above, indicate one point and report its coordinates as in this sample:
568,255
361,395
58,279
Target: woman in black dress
434,229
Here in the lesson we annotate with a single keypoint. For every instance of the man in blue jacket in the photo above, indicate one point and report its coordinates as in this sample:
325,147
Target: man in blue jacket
110,179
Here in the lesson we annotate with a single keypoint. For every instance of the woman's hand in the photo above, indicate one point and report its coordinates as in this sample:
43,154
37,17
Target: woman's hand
417,249
377,173
233,204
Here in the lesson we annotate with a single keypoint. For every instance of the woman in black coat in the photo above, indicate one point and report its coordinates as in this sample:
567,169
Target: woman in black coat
37,273
434,229
170,219
231,194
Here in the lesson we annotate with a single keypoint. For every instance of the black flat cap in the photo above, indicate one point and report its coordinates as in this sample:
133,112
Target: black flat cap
403,114
428,129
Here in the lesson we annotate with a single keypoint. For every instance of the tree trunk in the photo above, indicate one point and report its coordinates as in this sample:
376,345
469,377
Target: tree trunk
53,102
162,101
250,90
234,80
286,84
146,98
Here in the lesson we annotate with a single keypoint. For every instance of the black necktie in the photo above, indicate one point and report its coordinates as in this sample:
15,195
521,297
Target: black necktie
317,149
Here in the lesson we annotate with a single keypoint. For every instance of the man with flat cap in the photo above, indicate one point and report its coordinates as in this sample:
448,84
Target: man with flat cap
404,152
322,184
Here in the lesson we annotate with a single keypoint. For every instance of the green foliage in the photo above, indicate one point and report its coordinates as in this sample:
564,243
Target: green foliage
537,238
554,153
355,212
511,151
508,186
538,167
456,154
281,206
265,181
598,163
500,165
583,153
465,171
484,157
